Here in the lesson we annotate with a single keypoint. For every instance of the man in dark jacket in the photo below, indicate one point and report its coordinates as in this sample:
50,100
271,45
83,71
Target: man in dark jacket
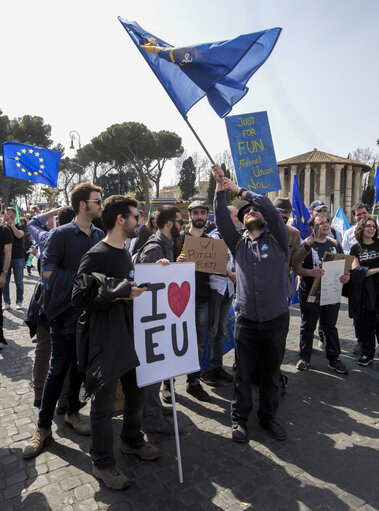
111,341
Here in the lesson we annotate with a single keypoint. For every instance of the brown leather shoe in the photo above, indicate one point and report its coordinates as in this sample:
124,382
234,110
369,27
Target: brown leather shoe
37,443
146,452
79,423
112,477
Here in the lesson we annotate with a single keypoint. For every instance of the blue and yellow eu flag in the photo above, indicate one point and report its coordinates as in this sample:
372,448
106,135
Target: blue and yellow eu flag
217,70
299,212
31,163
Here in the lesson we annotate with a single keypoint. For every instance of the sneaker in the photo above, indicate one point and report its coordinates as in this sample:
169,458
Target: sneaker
274,429
222,375
164,427
364,360
19,306
37,443
358,348
6,306
302,365
79,423
239,433
146,452
112,477
338,366
209,378
198,392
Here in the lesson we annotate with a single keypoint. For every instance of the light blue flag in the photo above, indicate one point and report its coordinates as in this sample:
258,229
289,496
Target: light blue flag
340,222
31,163
376,181
218,70
299,212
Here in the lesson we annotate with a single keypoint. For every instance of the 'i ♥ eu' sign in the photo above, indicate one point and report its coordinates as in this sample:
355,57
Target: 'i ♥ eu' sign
164,322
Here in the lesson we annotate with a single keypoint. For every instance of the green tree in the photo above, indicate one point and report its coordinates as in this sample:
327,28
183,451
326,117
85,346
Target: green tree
94,162
168,146
187,179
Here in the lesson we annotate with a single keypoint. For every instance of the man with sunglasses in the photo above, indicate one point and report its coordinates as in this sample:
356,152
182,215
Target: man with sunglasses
261,302
160,248
63,252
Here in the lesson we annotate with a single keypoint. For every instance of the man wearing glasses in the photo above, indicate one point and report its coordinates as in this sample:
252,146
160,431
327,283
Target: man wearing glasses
63,252
261,302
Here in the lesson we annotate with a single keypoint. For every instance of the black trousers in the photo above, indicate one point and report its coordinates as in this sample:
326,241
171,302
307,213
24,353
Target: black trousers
258,344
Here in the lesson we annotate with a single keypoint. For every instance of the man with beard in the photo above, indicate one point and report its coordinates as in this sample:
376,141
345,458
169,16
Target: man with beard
261,302
63,251
160,249
110,332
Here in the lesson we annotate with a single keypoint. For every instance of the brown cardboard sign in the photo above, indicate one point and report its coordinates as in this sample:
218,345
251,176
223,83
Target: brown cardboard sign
209,255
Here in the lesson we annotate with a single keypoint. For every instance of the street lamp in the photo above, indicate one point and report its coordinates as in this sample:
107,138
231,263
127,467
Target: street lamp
74,135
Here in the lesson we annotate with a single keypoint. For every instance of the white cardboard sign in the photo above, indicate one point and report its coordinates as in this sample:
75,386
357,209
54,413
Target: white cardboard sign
164,322
331,287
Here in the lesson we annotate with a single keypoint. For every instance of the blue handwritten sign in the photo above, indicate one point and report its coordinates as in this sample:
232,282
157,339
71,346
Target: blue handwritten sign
253,152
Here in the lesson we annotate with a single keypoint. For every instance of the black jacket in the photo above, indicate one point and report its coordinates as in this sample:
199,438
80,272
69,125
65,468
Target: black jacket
104,335
360,291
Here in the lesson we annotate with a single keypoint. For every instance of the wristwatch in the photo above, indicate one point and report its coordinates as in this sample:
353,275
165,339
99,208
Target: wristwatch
241,192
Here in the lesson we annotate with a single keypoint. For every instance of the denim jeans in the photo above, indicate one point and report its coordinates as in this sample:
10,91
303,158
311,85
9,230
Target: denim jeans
328,315
63,357
102,407
201,312
258,344
17,265
219,310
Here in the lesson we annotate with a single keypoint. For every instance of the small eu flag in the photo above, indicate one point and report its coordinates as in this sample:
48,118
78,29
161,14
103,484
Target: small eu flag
217,70
31,163
300,213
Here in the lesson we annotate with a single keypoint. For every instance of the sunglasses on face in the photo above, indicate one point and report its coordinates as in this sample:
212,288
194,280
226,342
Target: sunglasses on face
98,201
251,208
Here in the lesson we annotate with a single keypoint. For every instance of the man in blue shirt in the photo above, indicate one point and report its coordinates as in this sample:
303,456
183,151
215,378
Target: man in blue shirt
63,252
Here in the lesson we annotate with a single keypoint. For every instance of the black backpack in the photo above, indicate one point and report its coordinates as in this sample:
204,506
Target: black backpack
153,240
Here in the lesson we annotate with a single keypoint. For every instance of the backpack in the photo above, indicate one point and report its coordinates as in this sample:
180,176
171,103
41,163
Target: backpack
153,240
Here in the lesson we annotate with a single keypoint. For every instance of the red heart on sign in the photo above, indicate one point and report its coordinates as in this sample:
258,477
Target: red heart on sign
178,297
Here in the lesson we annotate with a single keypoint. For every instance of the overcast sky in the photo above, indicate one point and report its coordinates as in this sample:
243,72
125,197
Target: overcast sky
73,64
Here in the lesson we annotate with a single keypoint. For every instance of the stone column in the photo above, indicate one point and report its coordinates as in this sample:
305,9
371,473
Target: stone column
357,191
337,186
282,192
349,182
307,184
293,173
322,187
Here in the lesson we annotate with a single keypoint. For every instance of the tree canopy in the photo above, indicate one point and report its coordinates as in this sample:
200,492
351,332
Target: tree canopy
187,179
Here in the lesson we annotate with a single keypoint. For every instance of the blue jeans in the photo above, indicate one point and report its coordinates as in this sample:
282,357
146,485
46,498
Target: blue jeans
258,345
219,310
17,265
201,312
102,408
310,313
63,358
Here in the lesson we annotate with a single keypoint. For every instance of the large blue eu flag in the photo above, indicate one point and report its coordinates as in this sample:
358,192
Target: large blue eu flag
300,213
218,70
31,163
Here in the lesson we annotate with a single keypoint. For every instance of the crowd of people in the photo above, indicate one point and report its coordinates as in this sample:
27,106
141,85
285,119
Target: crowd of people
82,307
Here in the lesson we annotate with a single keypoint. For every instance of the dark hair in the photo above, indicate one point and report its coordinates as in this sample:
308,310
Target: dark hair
65,215
166,214
150,221
141,213
311,221
113,206
81,192
360,228
360,205
9,209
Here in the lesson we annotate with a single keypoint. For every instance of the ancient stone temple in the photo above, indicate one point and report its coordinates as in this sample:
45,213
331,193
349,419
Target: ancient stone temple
335,180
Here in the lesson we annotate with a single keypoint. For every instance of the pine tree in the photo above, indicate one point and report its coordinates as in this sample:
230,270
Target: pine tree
187,179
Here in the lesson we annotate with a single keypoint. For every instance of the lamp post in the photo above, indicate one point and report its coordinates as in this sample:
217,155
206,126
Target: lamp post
74,135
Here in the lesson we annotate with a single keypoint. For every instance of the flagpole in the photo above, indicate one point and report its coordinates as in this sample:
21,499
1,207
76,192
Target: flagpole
200,142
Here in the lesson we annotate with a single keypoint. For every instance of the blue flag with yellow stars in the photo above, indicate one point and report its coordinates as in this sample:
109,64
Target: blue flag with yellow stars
218,70
31,163
299,212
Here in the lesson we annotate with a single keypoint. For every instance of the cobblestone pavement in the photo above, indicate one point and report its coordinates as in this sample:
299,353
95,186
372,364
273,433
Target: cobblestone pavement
330,460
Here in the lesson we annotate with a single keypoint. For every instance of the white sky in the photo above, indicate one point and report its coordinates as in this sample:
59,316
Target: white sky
73,64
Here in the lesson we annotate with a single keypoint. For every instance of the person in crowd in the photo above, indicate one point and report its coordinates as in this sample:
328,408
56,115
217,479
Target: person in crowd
220,301
5,263
260,305
40,227
108,301
160,248
63,251
17,261
318,207
311,311
27,243
198,212
366,294
360,211
144,233
151,223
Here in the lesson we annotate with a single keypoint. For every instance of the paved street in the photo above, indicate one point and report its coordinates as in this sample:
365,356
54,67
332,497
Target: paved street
329,462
